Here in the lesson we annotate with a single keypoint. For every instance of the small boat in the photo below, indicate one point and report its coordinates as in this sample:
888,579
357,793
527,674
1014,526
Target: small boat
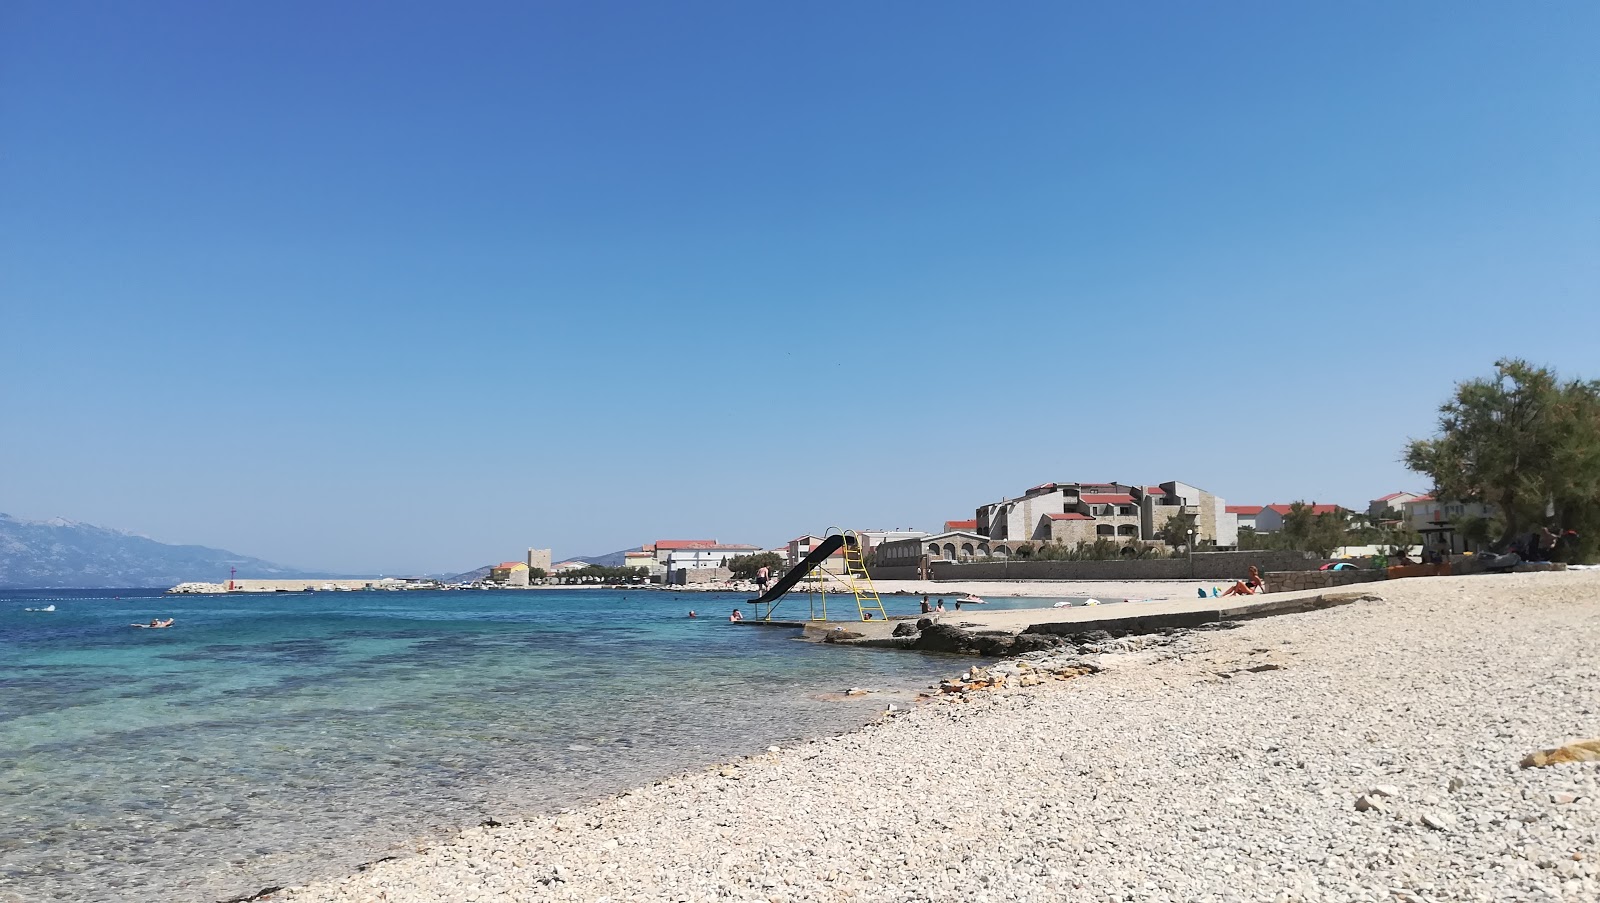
50,607
970,599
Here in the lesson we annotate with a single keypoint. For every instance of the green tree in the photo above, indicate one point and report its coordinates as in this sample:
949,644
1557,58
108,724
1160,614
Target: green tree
1525,442
744,567
1398,541
1175,532
1306,530
607,574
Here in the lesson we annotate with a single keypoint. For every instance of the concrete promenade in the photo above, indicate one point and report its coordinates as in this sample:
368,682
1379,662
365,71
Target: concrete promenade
1122,616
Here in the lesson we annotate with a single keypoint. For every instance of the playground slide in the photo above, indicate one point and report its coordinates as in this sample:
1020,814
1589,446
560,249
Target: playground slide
810,562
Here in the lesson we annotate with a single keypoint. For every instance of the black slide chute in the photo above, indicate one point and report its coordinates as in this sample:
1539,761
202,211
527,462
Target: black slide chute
808,564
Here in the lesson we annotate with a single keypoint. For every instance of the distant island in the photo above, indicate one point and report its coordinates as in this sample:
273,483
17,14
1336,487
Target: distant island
59,554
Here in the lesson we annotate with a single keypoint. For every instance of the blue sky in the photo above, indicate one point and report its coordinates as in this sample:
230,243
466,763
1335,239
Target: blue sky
400,287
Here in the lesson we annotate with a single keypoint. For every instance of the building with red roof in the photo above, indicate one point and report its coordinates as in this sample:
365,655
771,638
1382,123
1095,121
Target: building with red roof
1391,506
1270,518
1245,515
1086,512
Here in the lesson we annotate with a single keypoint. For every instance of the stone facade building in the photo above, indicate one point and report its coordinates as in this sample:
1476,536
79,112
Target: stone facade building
1085,512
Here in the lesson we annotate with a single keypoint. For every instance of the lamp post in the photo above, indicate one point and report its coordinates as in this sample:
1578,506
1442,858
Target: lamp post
1193,531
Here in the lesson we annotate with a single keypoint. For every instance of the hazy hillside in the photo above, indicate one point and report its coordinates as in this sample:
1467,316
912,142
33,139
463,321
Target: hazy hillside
608,560
61,553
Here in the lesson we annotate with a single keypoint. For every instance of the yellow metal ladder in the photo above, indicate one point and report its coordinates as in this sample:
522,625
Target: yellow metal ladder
855,567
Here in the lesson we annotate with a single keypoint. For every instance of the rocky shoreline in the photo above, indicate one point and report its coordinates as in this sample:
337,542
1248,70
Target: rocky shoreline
1370,751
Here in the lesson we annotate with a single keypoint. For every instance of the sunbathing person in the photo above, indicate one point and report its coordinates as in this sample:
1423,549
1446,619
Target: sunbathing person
1249,587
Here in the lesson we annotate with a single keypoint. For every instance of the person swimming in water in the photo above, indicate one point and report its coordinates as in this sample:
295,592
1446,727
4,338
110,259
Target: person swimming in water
155,623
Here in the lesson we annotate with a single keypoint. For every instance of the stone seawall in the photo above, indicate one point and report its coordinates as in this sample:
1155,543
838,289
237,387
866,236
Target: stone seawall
1204,566
896,573
1293,581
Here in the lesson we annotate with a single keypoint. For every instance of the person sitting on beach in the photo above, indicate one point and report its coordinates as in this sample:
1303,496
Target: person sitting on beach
1249,587
736,616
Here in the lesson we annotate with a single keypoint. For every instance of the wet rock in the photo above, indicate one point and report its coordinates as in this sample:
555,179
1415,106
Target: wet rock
1035,642
945,638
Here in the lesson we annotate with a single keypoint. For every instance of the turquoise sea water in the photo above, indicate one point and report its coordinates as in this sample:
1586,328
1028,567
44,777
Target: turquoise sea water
269,739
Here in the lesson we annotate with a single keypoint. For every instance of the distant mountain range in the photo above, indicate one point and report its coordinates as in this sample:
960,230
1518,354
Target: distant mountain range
62,554
59,553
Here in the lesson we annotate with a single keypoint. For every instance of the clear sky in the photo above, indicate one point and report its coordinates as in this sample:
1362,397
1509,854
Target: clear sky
404,287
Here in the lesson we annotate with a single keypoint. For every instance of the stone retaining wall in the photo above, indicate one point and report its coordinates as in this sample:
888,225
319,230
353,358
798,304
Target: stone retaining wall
1292,581
688,576
896,573
1204,566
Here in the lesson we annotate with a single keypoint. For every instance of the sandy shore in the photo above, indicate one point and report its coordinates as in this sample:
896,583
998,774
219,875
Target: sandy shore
1224,765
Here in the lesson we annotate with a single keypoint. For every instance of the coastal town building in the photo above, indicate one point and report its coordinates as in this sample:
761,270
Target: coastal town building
1086,512
1246,515
539,560
663,548
951,545
703,563
509,573
563,567
1391,507
871,539
798,548
646,559
1441,522
953,525
1270,518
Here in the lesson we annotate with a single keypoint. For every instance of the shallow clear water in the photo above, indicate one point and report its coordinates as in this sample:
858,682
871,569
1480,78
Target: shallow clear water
269,739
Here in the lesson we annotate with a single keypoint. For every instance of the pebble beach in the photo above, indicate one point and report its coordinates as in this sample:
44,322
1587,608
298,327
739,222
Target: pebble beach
1365,752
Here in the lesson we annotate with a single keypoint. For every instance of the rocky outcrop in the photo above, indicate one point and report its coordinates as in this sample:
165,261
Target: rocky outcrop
1017,673
1581,751
988,643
